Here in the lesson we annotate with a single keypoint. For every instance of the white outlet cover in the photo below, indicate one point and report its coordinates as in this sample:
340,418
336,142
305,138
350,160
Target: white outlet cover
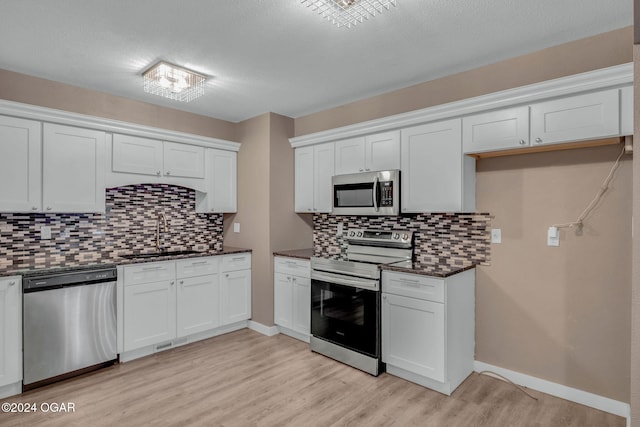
553,236
236,227
45,232
496,235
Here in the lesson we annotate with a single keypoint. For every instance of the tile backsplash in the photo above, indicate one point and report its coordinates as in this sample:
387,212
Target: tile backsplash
440,238
129,225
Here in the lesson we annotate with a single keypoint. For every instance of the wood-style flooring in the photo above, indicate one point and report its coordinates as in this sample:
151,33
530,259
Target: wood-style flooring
247,379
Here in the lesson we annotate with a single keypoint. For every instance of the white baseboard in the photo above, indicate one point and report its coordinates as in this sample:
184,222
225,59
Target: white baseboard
574,395
262,329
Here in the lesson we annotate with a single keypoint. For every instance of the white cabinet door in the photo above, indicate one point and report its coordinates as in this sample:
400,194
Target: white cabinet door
349,156
413,335
574,118
73,169
496,130
197,304
20,165
304,179
323,167
626,110
223,181
282,300
10,330
149,313
183,160
235,296
132,154
432,167
382,151
301,298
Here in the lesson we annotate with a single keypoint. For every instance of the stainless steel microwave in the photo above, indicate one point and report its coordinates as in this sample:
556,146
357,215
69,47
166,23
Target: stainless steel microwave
366,193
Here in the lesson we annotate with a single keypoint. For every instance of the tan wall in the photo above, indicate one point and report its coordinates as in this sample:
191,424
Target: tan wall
588,54
253,212
635,301
265,204
288,229
557,313
46,93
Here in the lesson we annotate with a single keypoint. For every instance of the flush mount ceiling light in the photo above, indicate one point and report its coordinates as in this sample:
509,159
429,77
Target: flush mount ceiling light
173,82
348,13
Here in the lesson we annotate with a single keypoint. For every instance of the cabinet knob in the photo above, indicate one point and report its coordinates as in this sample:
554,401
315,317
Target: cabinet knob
360,170
48,208
538,140
168,173
172,283
226,275
523,142
182,282
158,173
12,283
309,209
367,169
35,208
384,297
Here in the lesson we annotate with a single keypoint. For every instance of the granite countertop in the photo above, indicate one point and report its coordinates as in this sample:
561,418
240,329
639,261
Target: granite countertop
59,267
433,270
295,253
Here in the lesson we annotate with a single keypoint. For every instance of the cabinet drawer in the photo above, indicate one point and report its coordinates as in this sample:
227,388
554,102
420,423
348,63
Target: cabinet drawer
149,272
236,262
293,266
413,286
196,267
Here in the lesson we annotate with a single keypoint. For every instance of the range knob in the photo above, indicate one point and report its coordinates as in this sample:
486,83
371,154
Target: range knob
359,233
405,236
352,233
396,236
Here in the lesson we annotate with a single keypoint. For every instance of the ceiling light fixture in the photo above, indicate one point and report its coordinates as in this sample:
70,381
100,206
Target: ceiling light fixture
348,13
173,82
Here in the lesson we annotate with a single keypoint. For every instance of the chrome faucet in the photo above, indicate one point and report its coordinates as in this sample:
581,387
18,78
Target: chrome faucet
161,216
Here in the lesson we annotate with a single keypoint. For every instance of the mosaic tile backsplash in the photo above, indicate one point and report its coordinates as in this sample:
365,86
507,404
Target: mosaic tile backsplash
129,226
440,238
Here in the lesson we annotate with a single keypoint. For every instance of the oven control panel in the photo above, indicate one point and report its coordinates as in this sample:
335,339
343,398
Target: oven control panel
392,237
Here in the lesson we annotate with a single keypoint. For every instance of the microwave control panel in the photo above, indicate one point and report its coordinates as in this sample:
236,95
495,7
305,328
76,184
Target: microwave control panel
386,193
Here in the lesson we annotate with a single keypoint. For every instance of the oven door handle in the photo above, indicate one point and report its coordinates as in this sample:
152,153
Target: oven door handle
339,279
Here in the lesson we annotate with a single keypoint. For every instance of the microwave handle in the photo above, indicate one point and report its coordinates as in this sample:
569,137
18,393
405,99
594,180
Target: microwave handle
375,194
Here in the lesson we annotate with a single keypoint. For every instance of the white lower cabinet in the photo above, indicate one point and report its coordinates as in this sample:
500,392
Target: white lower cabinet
10,336
292,297
235,288
428,328
170,303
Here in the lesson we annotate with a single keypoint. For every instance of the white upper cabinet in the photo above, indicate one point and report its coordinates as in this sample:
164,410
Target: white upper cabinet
626,111
369,153
73,169
436,177
575,118
382,151
223,180
314,167
132,154
20,165
183,160
349,156
496,130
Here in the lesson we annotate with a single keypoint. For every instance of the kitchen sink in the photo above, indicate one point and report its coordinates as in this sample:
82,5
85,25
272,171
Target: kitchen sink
159,254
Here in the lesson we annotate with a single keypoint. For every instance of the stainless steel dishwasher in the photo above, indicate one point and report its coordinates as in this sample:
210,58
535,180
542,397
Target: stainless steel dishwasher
69,324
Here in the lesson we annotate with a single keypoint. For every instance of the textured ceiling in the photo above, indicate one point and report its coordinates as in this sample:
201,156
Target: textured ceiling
277,55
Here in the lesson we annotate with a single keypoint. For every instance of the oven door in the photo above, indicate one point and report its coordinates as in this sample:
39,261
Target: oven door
347,316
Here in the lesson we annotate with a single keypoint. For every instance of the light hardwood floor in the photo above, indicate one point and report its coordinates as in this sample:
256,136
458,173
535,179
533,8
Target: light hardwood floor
247,379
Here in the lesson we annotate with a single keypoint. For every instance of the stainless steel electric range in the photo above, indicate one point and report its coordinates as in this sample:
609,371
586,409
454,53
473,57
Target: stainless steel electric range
345,296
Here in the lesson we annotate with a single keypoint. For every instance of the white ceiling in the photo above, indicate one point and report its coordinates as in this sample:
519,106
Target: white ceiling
277,55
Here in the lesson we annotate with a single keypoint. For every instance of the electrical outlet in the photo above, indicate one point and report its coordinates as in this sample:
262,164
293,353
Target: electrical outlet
496,235
45,232
340,229
236,227
553,236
